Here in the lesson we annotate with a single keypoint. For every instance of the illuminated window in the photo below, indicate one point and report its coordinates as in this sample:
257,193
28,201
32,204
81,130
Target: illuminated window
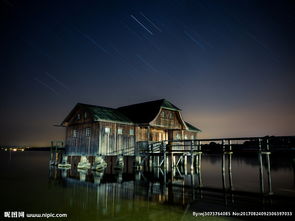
185,137
85,115
131,132
163,114
88,132
177,136
120,131
78,116
192,137
75,133
107,130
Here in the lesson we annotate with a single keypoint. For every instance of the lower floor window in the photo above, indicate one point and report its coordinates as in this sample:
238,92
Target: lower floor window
75,133
88,132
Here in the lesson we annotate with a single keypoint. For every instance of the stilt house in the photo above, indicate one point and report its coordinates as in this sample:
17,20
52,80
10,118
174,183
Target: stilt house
94,130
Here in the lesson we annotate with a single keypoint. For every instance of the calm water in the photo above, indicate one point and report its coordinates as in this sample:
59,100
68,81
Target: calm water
28,184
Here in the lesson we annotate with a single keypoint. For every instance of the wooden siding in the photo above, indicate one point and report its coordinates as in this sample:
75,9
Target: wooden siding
168,119
158,134
112,142
81,116
184,135
118,139
82,144
141,133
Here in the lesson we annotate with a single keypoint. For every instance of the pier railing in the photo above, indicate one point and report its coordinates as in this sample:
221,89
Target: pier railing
240,144
189,147
171,153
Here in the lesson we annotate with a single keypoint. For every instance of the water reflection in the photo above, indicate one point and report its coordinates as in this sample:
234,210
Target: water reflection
188,189
154,194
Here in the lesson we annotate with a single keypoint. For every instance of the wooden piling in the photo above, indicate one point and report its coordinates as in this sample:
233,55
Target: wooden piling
261,173
223,171
269,174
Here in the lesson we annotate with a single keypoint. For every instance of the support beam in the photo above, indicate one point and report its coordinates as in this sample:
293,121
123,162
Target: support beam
230,172
261,173
269,174
223,171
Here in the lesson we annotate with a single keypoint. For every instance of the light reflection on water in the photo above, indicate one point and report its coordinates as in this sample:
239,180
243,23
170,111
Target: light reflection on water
28,184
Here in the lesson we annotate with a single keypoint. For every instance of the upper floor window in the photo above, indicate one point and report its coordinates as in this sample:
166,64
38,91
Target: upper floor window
88,132
78,116
163,114
177,136
131,132
75,133
120,131
185,137
85,115
107,130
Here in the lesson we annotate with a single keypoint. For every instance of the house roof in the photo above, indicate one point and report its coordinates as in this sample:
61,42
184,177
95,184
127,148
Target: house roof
147,111
101,113
106,113
141,113
191,127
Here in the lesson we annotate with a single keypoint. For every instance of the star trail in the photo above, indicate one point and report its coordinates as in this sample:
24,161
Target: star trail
229,65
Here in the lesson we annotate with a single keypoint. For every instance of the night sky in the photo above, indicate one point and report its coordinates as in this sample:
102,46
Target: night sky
229,65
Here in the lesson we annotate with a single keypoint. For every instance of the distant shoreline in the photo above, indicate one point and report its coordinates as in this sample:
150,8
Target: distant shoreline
18,149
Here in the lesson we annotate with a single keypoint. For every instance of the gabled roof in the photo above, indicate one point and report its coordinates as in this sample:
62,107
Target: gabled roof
106,113
192,128
147,111
142,113
101,113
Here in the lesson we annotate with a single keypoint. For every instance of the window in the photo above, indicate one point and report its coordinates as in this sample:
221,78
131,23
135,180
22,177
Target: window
88,132
192,137
78,116
107,130
131,132
163,114
185,137
75,133
120,131
177,136
85,115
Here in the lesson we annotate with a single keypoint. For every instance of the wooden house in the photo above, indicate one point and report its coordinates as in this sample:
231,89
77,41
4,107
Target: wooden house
94,130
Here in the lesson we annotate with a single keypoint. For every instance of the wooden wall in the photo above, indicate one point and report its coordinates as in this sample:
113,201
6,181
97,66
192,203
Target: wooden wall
141,133
112,142
168,119
82,144
111,138
158,134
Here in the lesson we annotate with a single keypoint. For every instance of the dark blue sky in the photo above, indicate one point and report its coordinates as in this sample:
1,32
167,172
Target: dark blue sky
228,64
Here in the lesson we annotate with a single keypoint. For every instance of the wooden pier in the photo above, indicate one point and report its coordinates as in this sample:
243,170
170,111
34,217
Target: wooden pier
173,153
179,158
168,154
